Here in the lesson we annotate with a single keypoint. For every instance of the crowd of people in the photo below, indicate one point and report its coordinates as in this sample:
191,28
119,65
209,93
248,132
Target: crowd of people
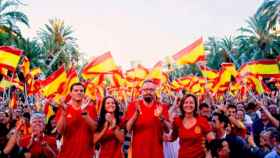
167,126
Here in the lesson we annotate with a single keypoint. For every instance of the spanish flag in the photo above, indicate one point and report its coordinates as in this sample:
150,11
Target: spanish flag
263,67
13,101
4,71
7,82
25,66
208,73
184,81
72,77
35,71
9,57
174,85
96,93
256,83
112,80
226,74
54,82
191,54
101,64
138,73
157,75
118,79
48,111
4,84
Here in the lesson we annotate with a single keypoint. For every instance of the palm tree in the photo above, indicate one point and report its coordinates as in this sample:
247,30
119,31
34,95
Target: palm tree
257,39
269,9
58,42
9,18
34,52
217,51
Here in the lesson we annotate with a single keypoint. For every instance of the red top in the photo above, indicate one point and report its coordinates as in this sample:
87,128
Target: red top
147,131
39,147
77,137
110,146
192,140
242,132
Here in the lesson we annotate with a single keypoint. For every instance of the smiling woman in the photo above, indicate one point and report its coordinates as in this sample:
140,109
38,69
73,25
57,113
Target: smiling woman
109,134
192,130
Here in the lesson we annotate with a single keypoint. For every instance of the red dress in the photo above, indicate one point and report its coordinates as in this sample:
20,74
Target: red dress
37,149
77,137
147,131
192,140
110,145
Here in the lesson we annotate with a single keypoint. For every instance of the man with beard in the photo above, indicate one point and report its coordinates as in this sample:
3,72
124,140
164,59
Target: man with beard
147,119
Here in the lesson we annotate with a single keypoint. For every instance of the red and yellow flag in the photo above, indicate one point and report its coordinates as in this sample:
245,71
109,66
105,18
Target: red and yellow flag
101,64
184,81
54,83
138,73
72,77
13,101
25,66
226,74
7,82
48,111
263,67
256,83
191,54
157,75
35,71
3,71
118,79
208,73
9,57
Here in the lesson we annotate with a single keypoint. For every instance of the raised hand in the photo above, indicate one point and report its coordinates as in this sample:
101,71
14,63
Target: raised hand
108,117
85,102
62,103
138,108
158,111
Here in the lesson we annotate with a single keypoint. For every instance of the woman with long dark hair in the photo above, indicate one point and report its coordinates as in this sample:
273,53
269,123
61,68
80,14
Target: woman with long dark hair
192,130
109,134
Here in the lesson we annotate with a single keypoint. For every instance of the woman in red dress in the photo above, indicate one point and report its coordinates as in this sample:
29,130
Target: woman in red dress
191,129
108,134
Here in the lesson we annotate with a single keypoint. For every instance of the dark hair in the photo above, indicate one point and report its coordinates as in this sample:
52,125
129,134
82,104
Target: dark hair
49,128
274,133
250,106
183,101
102,120
231,106
203,105
77,84
222,118
26,115
184,91
215,146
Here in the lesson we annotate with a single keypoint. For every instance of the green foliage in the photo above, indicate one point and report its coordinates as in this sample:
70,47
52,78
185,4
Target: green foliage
60,46
259,39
